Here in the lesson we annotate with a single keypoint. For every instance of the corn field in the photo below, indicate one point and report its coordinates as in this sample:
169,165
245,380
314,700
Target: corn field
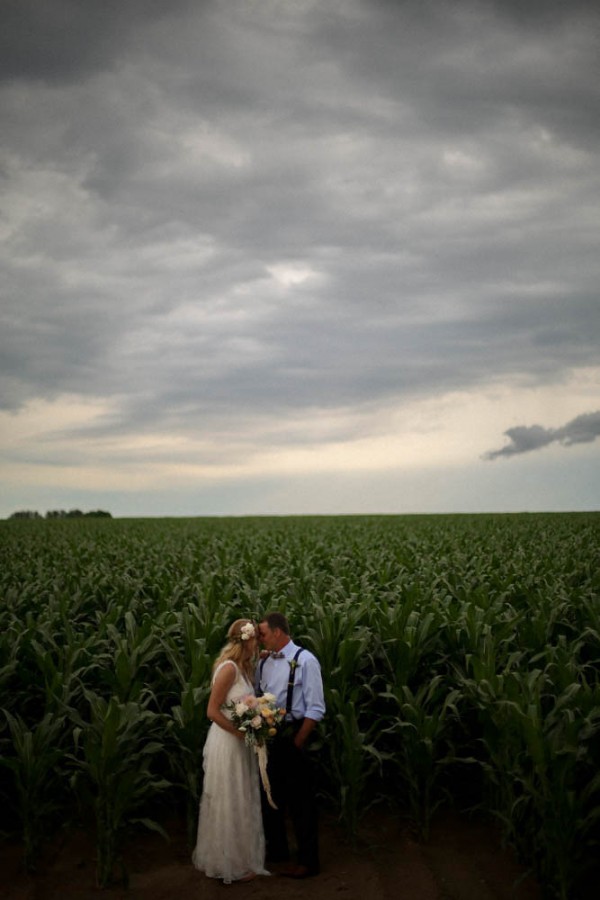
460,657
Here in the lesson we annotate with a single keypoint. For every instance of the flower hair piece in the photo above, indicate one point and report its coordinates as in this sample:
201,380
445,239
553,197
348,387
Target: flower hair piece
247,631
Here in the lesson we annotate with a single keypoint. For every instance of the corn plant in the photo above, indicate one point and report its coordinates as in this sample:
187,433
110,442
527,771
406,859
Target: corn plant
113,755
423,749
340,643
408,639
352,759
187,734
132,656
11,686
31,757
539,765
351,756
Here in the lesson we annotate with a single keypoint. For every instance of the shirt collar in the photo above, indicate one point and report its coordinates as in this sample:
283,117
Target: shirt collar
289,650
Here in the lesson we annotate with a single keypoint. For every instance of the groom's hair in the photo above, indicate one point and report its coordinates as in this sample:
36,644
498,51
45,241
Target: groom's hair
277,620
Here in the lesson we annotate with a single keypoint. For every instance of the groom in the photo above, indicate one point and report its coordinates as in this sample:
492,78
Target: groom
293,675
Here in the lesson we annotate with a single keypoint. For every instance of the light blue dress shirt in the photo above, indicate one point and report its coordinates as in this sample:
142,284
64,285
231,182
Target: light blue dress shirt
307,697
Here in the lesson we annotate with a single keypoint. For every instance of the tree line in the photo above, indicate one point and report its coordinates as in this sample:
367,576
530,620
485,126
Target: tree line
61,514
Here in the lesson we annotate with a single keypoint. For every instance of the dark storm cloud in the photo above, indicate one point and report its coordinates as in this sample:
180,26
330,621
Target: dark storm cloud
581,430
60,41
426,172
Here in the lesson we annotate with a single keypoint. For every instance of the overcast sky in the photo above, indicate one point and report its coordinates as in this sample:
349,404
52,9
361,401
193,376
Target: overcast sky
299,256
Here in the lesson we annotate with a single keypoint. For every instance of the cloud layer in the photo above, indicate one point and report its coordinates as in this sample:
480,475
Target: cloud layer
261,226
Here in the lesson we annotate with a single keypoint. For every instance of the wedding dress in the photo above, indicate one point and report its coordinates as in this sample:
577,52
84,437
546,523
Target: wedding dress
230,842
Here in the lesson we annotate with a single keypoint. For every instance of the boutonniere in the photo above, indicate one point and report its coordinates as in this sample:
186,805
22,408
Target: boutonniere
294,664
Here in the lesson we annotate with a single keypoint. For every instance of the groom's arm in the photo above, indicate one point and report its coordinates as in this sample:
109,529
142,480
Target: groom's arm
304,732
312,688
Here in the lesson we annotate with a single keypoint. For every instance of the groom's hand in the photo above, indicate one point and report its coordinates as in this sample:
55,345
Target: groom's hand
305,730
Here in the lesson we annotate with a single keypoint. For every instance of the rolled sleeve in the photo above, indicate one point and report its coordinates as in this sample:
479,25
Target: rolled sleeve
314,700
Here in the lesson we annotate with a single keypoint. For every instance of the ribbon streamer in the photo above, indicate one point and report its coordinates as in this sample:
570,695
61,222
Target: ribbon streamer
261,752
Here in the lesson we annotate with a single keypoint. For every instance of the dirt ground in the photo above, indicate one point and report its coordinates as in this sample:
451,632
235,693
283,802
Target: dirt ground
463,860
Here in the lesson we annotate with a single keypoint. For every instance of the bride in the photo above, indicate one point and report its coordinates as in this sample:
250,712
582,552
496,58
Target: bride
230,844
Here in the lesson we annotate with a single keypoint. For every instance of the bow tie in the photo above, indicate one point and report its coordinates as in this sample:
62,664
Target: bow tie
277,655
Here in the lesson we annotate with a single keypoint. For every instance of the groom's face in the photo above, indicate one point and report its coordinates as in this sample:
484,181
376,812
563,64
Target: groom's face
269,637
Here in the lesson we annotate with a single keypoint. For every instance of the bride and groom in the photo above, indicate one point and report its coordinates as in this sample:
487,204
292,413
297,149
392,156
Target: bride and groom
238,830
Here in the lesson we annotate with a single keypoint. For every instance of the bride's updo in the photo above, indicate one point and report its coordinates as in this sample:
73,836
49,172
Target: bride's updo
241,646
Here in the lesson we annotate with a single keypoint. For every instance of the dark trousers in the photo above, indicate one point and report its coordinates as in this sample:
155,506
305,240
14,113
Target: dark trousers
293,790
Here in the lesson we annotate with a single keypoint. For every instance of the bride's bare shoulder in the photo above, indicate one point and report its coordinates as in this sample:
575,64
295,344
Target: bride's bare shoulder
226,671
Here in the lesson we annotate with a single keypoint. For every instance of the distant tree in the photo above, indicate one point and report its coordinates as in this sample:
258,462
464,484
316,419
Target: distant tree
78,514
61,514
25,514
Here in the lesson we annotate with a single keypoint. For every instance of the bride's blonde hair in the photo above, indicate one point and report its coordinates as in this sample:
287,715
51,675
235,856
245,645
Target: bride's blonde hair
239,647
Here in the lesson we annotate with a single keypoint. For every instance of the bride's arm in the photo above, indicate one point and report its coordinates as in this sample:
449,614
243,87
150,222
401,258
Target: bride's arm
223,681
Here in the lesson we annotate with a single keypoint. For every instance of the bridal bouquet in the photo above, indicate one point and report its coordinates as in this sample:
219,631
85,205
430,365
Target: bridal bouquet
258,718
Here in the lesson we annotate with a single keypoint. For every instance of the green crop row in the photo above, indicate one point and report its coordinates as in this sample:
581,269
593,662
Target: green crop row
460,657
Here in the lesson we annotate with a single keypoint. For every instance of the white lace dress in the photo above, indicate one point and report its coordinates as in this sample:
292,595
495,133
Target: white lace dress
230,841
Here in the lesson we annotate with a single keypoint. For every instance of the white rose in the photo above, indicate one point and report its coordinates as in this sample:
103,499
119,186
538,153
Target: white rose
240,709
